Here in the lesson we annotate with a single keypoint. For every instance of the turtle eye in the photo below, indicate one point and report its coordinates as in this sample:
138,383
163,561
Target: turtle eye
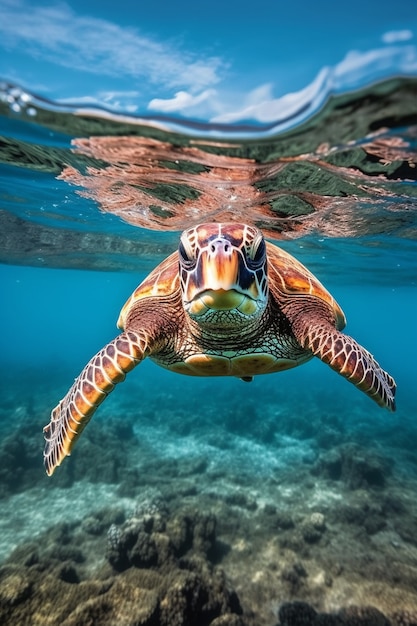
186,254
258,251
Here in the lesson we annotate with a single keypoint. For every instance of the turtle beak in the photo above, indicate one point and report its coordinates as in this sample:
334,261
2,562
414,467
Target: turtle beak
220,265
218,273
222,268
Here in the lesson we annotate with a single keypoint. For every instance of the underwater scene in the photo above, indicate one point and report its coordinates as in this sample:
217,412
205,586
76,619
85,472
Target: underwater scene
208,499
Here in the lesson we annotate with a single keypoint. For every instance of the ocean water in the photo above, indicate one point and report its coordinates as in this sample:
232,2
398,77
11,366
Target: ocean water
187,499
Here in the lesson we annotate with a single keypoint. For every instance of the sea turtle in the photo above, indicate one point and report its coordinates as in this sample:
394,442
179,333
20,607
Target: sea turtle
226,303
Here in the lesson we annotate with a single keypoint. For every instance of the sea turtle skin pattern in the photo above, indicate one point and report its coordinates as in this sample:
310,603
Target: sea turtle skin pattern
226,303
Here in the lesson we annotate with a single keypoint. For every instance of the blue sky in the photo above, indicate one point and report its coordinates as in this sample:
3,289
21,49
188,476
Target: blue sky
222,60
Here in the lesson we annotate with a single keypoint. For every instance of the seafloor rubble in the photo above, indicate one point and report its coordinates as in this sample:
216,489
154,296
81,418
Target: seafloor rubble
228,523
157,568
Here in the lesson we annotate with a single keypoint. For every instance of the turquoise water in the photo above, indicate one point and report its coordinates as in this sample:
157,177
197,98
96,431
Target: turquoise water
311,485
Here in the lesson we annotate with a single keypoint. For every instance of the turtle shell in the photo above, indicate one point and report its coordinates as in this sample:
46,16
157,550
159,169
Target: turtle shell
162,281
291,277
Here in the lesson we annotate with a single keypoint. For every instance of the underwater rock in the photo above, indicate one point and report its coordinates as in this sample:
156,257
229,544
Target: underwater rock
326,619
404,618
19,457
15,587
363,616
127,602
204,533
363,511
302,614
374,523
283,520
92,526
230,619
242,500
162,574
58,554
192,599
313,527
97,458
329,465
294,575
177,546
269,509
356,467
30,596
144,552
296,614
317,521
152,539
181,533
247,421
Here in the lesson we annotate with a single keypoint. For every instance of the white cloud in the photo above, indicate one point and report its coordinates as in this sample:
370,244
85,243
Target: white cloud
259,104
394,36
182,100
354,71
57,34
357,66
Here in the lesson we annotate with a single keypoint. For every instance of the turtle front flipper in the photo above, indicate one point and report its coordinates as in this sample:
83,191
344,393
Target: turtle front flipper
99,377
351,360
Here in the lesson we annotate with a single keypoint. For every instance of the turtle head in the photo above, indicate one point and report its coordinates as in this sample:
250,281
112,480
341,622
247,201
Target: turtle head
223,273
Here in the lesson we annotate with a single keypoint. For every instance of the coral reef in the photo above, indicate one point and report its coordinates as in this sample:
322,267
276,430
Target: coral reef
354,466
302,614
224,524
96,456
157,572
